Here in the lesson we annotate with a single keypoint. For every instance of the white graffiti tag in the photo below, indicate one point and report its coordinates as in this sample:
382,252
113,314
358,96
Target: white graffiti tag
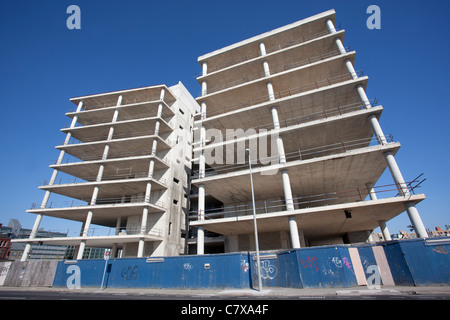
268,271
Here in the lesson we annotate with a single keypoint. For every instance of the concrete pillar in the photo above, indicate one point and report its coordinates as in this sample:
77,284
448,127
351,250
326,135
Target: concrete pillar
266,68
141,245
416,221
162,94
204,88
201,217
270,91
351,69
412,211
275,119
363,97
377,130
293,230
200,241
203,111
340,46
33,233
87,225
262,48
385,230
396,174
372,194
330,26
287,190
204,69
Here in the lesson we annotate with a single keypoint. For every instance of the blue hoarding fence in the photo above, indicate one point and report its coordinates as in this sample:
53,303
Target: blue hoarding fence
408,262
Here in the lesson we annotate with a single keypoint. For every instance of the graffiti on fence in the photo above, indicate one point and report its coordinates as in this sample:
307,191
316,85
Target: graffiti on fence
310,263
268,271
130,273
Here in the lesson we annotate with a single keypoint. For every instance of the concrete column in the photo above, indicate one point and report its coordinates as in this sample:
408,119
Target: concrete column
119,100
201,217
204,69
204,88
330,26
293,229
270,91
118,225
412,211
262,48
351,69
266,68
372,194
363,97
287,190
87,225
33,233
94,196
200,241
340,46
416,221
396,174
377,130
203,111
275,119
162,94
385,230
141,246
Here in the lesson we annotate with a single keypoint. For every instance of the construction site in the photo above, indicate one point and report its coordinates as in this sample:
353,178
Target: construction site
282,151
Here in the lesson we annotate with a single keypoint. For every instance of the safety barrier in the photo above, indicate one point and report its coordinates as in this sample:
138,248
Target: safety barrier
418,262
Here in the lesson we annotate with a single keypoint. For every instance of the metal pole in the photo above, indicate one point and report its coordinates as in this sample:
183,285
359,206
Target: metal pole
254,223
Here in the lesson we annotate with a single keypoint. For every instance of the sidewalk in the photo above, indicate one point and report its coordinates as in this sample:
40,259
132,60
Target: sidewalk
278,293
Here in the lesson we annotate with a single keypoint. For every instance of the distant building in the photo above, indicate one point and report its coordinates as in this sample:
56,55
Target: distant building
39,250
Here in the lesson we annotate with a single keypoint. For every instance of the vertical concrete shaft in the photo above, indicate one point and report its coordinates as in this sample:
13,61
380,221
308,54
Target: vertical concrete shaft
266,68
204,69
204,88
201,216
413,214
385,230
262,48
87,225
270,91
33,233
141,245
392,164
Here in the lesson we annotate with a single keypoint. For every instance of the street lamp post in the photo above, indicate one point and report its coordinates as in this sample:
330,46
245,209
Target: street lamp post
254,222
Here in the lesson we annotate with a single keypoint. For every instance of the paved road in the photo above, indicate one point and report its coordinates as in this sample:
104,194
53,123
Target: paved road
80,295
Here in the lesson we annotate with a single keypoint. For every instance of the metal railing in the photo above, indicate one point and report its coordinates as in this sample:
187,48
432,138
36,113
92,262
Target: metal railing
268,51
301,154
117,177
274,70
309,201
325,114
71,159
103,201
285,93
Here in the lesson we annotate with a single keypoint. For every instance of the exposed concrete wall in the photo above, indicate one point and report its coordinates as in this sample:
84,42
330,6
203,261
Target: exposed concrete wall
38,273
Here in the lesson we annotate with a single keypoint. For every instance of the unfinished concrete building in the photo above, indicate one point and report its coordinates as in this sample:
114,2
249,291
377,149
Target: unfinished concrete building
317,185
124,164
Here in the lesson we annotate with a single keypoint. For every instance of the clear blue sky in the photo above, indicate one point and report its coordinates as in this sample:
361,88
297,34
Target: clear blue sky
134,43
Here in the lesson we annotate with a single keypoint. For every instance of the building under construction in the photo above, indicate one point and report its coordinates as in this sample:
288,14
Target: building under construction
292,97
318,183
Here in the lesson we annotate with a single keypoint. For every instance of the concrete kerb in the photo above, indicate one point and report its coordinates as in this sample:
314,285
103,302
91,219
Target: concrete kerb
277,293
